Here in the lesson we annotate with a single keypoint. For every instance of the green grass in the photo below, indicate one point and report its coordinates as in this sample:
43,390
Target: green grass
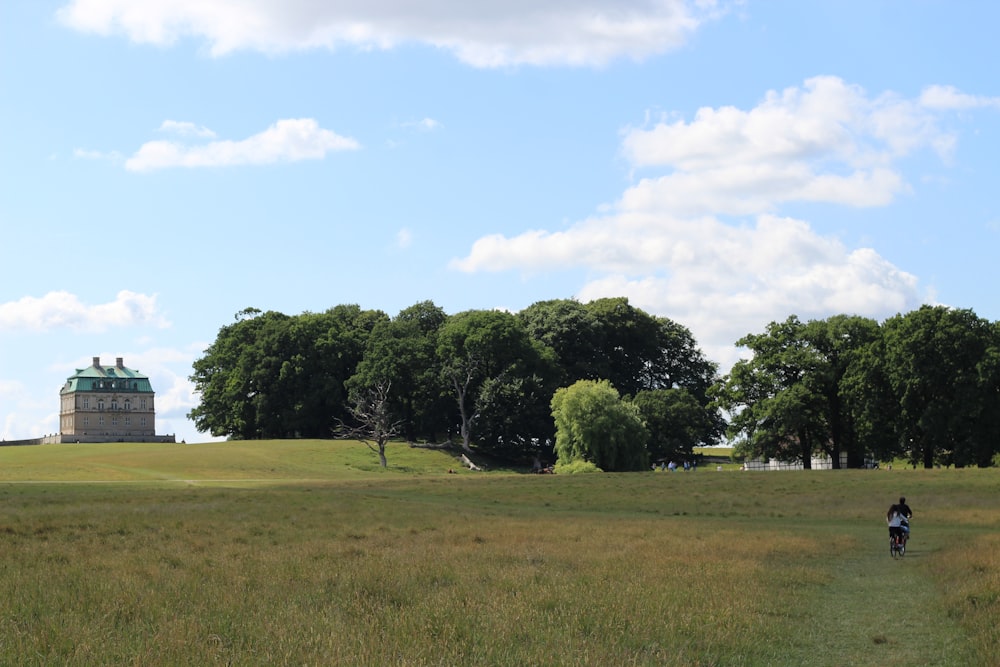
277,460
306,552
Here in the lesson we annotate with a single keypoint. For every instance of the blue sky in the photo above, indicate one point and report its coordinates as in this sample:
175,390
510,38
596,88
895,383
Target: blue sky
164,165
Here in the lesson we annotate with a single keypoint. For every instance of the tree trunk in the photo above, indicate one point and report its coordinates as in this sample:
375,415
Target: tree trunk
460,392
928,452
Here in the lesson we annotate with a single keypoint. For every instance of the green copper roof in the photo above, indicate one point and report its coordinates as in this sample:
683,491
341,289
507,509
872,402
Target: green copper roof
107,378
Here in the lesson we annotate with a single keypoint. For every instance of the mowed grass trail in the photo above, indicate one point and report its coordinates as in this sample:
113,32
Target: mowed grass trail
332,561
874,610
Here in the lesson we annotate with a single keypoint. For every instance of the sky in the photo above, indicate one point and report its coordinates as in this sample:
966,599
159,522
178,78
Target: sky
165,164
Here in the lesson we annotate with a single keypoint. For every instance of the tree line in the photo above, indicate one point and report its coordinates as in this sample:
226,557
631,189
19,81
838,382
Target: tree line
607,383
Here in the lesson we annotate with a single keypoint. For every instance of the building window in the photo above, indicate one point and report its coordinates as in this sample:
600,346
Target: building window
142,422
100,406
86,421
114,421
128,421
128,405
100,420
142,403
86,403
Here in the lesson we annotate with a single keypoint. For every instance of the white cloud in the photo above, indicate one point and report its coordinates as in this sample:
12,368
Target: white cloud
186,129
63,310
289,140
482,34
721,302
87,154
825,142
950,98
704,242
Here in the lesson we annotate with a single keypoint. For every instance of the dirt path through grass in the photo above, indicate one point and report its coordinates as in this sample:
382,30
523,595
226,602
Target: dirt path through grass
877,611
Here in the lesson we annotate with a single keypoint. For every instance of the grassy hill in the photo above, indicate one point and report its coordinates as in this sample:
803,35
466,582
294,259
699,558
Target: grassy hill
244,460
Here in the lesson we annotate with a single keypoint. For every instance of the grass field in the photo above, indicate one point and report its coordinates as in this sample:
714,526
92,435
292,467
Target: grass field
307,553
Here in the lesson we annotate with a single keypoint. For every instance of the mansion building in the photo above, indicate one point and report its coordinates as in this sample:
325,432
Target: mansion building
108,404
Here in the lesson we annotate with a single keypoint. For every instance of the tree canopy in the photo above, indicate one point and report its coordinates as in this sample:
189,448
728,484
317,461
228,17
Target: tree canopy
593,424
923,385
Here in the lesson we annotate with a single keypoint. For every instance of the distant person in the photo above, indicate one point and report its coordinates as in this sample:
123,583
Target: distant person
903,512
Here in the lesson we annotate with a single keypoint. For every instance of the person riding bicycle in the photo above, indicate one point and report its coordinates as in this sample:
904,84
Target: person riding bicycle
902,513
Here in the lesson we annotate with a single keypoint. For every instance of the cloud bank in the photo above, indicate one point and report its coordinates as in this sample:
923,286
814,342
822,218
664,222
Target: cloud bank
702,239
481,34
63,310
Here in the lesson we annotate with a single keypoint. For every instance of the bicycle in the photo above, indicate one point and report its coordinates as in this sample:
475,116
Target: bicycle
898,540
897,545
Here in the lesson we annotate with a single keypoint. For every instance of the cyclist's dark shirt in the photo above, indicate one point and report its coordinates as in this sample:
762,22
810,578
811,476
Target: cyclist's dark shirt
902,509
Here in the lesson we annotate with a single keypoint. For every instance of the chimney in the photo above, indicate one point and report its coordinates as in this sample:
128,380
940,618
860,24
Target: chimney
118,362
97,362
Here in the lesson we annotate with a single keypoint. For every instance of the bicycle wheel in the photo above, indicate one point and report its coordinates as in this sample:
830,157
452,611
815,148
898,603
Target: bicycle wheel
892,547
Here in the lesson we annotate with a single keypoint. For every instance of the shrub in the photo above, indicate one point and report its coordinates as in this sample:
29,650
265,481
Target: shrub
576,466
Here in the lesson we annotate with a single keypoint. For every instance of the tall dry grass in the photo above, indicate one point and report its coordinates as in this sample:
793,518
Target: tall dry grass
425,568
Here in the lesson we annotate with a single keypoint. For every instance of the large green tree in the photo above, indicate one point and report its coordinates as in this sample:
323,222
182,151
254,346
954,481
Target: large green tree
628,344
401,354
814,387
608,339
228,380
594,424
676,423
269,375
775,406
942,367
489,361
846,373
571,331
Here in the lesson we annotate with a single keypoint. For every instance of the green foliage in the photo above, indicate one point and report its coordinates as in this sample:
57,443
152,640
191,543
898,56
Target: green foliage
487,375
778,412
401,352
274,376
676,423
608,339
593,424
942,365
571,331
925,385
497,374
628,344
575,467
